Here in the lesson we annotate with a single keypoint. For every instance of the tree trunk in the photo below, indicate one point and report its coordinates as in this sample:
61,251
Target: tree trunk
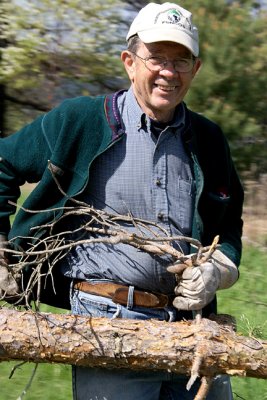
84,341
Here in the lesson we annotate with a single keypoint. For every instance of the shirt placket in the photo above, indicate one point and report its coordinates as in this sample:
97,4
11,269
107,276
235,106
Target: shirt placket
159,183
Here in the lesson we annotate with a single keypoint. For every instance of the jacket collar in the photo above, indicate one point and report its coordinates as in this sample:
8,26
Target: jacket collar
113,115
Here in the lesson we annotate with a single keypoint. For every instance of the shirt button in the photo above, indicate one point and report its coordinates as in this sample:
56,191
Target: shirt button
160,216
158,182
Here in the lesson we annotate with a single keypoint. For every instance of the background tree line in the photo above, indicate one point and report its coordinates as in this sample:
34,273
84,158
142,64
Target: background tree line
54,49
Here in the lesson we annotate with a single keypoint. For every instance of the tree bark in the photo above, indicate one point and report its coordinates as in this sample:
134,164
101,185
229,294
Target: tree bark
118,343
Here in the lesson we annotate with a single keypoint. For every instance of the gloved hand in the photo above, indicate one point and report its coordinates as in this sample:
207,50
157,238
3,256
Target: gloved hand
197,285
8,284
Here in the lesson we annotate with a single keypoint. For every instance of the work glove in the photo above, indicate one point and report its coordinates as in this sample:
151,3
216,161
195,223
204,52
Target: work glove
197,285
8,284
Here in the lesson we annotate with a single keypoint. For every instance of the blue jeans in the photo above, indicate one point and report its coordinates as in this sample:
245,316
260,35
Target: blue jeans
123,384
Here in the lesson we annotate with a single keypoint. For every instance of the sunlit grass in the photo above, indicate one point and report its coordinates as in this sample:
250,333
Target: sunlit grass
247,302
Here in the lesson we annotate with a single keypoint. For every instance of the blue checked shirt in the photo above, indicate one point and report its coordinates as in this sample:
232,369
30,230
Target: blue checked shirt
148,178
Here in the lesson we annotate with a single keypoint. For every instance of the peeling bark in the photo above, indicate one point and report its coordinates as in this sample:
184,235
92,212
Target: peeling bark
157,345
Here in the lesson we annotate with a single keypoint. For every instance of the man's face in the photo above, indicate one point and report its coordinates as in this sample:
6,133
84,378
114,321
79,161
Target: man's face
158,93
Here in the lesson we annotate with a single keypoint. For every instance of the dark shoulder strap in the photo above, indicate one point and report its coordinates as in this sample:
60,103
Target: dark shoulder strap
113,114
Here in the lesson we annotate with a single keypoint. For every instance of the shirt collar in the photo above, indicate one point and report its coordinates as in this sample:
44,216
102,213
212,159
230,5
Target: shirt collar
127,101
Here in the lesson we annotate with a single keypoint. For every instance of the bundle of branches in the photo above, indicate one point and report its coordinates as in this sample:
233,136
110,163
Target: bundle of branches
97,226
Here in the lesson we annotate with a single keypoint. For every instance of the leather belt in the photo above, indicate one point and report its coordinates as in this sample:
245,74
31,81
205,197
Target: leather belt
119,294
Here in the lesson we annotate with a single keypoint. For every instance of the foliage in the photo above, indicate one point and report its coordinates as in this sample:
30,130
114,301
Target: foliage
60,48
55,39
66,48
230,86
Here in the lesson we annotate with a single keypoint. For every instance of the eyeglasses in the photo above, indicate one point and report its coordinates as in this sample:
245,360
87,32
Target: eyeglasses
156,64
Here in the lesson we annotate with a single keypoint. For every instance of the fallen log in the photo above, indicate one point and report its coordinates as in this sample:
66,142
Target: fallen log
117,343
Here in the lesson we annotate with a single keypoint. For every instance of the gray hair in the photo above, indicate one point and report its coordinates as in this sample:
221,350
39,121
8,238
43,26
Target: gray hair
134,43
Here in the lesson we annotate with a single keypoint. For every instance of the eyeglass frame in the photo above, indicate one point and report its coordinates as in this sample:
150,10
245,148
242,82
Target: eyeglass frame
164,63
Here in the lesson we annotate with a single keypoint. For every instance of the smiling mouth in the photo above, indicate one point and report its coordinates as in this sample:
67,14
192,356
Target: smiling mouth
166,88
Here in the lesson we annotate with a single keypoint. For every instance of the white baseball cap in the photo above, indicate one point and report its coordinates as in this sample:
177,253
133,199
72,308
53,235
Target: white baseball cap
165,22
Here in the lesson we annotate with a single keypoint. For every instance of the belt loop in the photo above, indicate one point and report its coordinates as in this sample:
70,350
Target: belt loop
130,300
71,288
117,313
171,315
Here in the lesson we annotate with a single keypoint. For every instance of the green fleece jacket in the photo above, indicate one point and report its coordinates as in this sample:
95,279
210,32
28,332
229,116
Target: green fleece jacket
64,142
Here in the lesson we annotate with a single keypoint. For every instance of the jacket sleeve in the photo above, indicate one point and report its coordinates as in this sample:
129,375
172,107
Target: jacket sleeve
232,224
23,158
60,143
219,210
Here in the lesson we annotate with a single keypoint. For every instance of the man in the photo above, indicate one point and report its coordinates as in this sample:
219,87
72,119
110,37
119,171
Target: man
149,156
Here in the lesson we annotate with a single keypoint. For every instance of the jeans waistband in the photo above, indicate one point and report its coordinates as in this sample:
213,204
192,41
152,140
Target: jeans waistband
119,293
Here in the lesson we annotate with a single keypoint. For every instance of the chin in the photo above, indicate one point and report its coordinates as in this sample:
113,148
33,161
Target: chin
165,105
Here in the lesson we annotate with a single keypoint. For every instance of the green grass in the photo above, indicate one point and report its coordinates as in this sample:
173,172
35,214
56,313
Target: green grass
51,382
246,301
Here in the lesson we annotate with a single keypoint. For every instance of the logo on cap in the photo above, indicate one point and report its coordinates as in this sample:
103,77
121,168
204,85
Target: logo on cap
173,16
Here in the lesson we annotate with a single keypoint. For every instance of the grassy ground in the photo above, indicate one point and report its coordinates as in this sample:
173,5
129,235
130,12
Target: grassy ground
246,301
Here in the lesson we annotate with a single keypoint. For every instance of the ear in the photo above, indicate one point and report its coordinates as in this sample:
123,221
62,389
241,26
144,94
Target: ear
197,66
128,62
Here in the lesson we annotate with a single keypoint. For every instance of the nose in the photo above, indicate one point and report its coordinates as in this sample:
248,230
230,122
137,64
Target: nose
169,69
